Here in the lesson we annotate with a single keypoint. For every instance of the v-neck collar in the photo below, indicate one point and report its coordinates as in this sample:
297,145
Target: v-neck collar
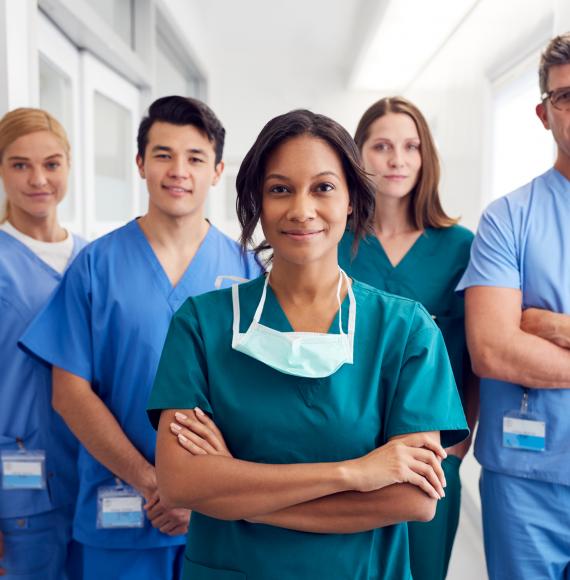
175,294
274,316
23,249
414,250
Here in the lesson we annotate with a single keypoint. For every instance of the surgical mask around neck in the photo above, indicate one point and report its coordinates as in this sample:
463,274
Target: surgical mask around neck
303,354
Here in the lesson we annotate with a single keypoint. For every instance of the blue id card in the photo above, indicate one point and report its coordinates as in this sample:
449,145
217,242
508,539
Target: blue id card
119,507
523,431
23,469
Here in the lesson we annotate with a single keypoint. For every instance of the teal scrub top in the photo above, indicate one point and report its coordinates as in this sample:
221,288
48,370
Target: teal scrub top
400,382
428,273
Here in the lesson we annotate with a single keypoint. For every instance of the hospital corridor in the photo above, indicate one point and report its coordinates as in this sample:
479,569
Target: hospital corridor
284,289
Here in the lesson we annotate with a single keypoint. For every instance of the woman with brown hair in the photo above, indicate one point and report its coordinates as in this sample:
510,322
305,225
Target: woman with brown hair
419,252
37,452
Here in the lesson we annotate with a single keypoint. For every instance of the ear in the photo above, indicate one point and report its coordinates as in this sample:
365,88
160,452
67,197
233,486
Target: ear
219,169
140,164
349,211
542,115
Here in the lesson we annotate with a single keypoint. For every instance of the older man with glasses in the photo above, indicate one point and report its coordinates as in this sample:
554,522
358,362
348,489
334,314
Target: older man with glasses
517,289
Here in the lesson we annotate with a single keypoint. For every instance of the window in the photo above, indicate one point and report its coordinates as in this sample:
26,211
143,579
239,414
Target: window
92,73
111,116
59,93
521,147
119,14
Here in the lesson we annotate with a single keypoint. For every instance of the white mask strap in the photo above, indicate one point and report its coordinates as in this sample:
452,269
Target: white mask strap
259,310
235,304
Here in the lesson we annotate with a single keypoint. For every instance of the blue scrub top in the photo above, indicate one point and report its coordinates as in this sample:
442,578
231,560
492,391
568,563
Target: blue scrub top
107,324
26,283
523,242
401,382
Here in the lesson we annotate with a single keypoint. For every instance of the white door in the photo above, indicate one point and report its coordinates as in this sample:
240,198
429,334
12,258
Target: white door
111,117
60,94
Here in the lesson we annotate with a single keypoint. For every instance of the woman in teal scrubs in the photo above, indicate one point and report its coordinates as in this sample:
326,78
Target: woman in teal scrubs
417,251
331,395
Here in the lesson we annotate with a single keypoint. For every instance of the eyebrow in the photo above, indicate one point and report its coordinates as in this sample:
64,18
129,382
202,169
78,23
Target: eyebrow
194,150
22,158
285,178
378,139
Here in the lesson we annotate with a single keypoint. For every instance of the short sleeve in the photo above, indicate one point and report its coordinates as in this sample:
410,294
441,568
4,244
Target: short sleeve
426,397
494,254
254,267
61,334
181,379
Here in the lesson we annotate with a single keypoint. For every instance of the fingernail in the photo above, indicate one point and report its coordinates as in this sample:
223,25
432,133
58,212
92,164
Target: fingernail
442,494
182,438
199,411
444,482
175,427
180,416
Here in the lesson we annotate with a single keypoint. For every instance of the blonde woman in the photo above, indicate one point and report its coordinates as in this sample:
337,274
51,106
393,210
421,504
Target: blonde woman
37,451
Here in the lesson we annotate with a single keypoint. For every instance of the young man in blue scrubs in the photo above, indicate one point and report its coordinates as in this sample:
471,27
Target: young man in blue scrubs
104,329
517,289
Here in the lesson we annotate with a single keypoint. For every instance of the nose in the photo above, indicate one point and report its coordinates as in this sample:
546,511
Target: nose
178,168
301,207
38,177
396,158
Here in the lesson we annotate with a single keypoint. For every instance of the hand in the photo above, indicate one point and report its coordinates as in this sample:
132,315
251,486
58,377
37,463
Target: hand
169,521
198,434
547,325
411,459
2,570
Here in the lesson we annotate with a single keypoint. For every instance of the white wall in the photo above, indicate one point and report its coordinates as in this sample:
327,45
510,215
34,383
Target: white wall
454,90
18,59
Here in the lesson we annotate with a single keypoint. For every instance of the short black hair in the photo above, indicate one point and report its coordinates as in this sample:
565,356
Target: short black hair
182,111
249,181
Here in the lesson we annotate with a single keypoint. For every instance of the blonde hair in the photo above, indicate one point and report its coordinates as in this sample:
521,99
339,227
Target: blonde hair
426,209
23,121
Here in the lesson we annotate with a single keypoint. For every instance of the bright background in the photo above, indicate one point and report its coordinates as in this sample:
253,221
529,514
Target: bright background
471,66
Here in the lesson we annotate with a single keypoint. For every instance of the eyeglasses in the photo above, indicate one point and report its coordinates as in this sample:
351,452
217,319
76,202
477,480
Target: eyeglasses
560,98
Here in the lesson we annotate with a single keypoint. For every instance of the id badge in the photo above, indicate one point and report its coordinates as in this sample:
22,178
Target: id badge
119,507
23,469
524,431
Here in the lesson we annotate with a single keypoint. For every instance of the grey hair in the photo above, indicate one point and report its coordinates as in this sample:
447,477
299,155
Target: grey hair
556,53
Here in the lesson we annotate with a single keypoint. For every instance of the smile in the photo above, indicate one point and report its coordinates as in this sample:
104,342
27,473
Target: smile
39,194
176,191
300,235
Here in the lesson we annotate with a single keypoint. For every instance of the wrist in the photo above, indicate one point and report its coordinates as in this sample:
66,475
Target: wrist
348,474
146,483
560,330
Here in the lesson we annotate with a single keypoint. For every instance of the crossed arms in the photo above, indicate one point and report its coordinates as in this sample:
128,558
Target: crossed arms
530,347
399,481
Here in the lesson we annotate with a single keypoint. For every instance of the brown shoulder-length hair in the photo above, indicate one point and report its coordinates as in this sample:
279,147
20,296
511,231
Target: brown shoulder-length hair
426,210
249,181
